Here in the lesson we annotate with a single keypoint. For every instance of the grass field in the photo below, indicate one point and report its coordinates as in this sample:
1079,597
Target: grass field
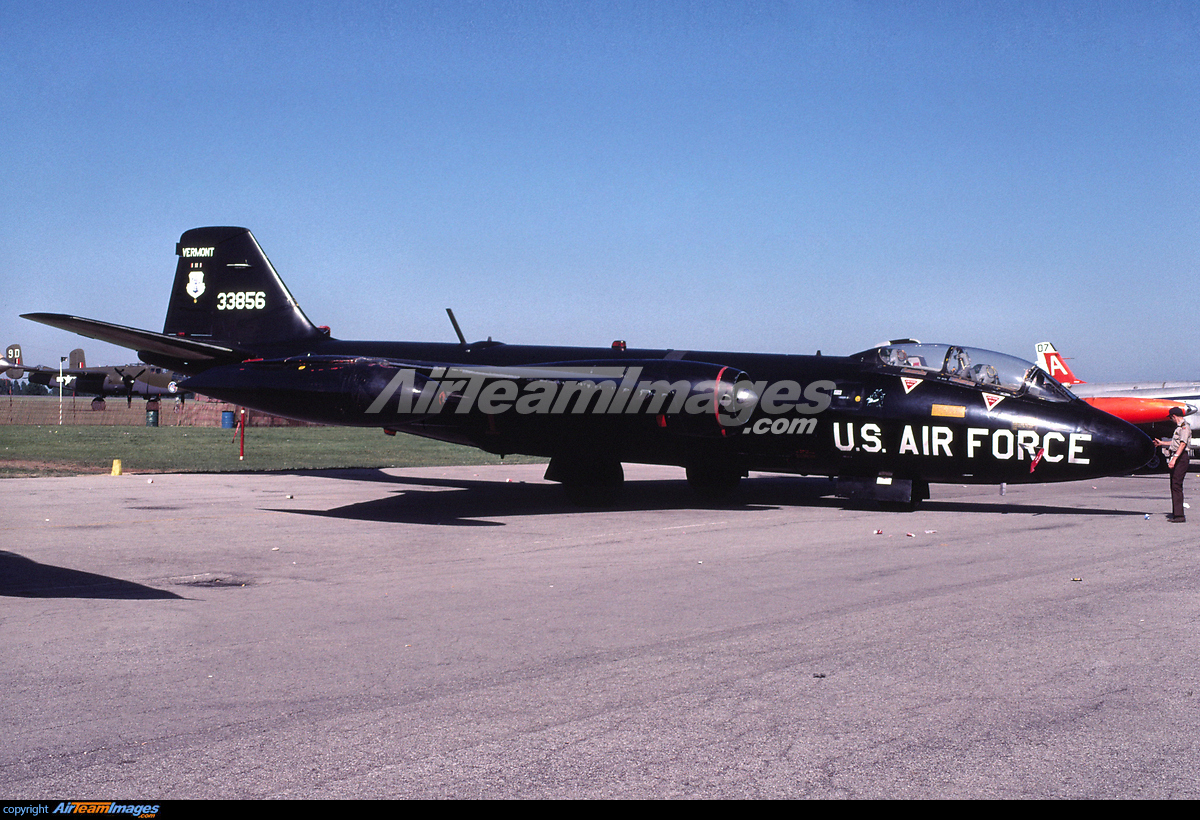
27,450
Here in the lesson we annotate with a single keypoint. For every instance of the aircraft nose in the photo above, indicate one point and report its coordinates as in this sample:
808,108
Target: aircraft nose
1125,447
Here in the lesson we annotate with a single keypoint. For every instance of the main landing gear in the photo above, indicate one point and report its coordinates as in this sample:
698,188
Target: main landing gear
596,481
893,495
714,481
588,481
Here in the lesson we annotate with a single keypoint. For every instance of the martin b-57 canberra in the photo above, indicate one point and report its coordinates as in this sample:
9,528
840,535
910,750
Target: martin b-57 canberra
885,422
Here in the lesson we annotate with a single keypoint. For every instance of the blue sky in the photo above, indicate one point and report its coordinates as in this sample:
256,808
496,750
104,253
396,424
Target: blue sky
777,176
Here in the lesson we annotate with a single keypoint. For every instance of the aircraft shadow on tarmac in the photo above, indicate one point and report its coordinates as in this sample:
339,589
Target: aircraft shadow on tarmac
471,502
21,577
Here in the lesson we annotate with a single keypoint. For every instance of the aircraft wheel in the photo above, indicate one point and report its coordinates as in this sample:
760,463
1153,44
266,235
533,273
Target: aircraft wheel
589,483
920,492
713,483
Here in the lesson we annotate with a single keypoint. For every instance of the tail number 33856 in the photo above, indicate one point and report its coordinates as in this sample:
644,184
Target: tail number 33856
241,300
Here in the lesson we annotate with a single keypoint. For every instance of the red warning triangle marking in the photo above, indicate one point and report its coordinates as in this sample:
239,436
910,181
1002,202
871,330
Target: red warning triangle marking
909,383
991,400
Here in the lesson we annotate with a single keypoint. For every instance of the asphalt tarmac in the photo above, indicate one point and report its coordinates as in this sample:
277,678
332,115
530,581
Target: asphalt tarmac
464,633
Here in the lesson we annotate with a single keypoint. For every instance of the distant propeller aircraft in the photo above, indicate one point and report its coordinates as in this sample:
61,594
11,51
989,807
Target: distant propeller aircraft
885,423
123,380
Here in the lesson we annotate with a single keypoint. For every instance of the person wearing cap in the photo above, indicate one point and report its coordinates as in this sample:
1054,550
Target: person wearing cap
1176,451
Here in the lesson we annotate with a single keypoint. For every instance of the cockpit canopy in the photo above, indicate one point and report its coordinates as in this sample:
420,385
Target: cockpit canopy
985,368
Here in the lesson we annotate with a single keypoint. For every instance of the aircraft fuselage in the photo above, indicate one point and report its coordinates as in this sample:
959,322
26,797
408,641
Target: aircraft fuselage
889,420
817,415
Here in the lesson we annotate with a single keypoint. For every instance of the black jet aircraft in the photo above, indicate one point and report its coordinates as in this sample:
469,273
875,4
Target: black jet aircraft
885,422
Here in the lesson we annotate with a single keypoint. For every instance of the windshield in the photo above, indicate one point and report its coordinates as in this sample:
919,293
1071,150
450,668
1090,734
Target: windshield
985,368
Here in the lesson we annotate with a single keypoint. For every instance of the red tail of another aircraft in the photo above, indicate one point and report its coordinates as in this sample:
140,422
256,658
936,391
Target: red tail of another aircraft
1053,363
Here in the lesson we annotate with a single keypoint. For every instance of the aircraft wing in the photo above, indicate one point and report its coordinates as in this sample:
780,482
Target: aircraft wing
20,371
179,350
53,371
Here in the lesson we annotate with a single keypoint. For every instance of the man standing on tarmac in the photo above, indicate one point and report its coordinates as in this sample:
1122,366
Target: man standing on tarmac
1176,451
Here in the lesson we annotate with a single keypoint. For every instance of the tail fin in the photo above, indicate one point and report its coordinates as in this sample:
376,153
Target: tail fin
12,355
227,290
1053,363
76,359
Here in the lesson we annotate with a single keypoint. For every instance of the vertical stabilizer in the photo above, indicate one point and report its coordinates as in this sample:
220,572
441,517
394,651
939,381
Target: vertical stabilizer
12,355
226,290
1053,363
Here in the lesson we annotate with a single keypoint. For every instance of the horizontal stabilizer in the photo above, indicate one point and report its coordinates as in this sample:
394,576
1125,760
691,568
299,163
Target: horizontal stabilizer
183,354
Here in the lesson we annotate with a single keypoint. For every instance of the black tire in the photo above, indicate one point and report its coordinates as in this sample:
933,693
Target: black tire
714,483
591,482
